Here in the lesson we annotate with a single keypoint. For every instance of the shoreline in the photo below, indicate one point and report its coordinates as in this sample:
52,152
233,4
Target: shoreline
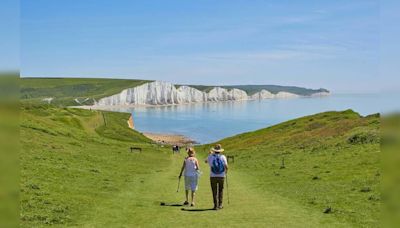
169,139
111,107
160,138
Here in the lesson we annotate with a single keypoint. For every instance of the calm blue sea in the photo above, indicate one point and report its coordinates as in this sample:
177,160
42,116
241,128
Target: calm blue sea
210,122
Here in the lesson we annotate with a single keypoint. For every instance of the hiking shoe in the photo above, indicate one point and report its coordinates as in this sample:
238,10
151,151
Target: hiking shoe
215,208
186,203
220,207
192,204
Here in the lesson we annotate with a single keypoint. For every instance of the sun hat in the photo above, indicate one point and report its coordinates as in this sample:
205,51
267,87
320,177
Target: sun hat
190,150
217,149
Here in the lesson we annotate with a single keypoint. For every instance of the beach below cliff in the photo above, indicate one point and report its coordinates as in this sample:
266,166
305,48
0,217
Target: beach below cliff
169,139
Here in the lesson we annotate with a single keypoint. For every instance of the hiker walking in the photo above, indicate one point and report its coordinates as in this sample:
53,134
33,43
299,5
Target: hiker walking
175,149
218,170
192,170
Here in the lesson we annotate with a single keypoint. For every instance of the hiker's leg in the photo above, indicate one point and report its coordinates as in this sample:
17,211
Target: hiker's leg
194,187
214,190
193,195
220,190
187,188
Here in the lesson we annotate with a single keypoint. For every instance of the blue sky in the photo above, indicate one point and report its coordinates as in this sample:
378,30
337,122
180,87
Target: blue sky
330,44
9,35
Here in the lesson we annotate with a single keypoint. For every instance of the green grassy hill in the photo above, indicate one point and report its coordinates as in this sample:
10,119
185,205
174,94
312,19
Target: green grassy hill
327,160
77,170
71,162
65,90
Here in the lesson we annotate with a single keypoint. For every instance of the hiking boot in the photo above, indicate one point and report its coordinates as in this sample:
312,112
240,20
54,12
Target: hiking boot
192,204
186,203
215,208
220,207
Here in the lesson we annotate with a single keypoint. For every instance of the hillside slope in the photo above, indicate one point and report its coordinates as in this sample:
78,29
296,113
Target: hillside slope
70,162
64,91
327,160
77,170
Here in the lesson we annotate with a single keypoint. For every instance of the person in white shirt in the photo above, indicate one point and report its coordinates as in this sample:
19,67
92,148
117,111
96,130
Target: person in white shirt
191,168
218,170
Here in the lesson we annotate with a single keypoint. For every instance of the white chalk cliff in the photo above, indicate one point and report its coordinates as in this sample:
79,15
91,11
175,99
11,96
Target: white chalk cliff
165,93
320,94
263,94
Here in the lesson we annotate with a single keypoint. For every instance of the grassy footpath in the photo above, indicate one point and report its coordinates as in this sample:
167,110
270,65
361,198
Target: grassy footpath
331,163
140,206
76,171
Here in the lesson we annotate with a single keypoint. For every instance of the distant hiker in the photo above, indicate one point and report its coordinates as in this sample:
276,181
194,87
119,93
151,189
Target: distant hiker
218,170
191,168
175,149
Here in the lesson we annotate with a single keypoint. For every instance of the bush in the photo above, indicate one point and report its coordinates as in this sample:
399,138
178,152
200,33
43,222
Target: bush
364,138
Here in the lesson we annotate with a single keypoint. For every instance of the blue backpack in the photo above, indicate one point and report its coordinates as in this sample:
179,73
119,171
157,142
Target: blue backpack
218,165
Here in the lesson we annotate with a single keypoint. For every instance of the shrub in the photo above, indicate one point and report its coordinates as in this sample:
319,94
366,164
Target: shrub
364,138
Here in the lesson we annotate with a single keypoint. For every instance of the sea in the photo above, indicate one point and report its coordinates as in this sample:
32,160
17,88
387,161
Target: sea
210,122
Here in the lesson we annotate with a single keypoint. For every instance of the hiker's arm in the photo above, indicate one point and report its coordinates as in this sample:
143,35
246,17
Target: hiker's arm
226,165
183,167
197,165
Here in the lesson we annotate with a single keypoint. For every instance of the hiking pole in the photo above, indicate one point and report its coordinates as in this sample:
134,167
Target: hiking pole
179,182
227,188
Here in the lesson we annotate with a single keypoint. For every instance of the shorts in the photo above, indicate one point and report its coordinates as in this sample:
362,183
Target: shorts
191,183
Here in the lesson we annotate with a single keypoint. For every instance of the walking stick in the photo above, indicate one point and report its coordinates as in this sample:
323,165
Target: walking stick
227,188
179,182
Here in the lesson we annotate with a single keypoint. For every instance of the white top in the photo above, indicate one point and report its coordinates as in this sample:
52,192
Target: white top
210,161
191,166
